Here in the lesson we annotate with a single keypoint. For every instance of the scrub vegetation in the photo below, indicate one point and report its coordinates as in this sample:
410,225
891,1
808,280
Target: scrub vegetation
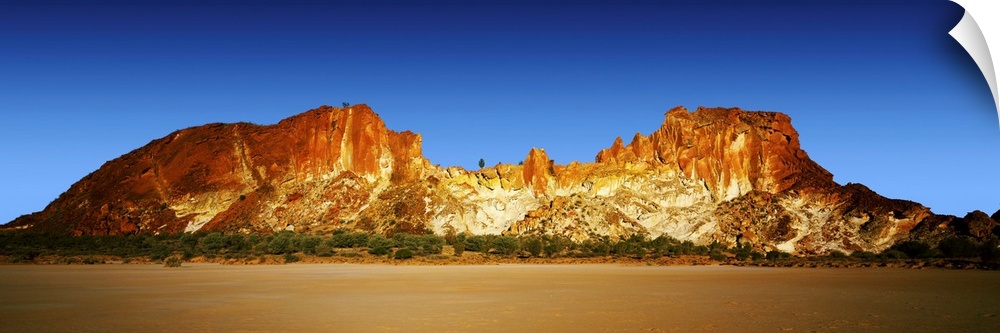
290,247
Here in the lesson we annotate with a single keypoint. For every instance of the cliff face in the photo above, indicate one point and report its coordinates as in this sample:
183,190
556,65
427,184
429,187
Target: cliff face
732,151
717,174
183,181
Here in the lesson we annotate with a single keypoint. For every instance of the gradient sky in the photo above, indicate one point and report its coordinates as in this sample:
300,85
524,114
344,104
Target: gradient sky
878,90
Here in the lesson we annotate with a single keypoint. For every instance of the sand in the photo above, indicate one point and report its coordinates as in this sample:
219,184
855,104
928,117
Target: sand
493,298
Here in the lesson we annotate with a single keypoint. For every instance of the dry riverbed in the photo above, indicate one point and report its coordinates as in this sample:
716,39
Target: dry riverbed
494,298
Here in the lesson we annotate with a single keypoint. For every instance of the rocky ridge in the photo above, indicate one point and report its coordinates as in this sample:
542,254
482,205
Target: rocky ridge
715,174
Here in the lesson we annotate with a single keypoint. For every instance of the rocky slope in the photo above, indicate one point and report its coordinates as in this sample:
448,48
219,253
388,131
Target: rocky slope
714,174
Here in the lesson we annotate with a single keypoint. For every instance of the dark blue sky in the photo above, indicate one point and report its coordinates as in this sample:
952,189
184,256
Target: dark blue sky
878,90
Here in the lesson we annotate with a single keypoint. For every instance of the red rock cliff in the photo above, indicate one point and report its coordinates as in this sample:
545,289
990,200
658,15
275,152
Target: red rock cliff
732,150
193,174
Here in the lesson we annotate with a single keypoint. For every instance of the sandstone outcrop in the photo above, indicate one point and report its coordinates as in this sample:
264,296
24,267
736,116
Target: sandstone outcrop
715,174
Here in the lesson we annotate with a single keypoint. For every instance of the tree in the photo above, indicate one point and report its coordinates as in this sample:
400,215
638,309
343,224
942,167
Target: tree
482,163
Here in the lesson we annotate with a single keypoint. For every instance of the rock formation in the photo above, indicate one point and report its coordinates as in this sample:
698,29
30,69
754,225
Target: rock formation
715,174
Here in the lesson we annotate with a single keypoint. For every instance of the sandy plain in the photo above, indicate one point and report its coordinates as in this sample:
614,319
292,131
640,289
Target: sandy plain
493,298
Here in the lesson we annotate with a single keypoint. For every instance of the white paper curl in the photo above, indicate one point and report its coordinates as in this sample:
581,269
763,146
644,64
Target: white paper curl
976,36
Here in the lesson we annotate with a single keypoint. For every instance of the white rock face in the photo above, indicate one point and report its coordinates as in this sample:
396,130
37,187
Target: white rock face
483,210
203,207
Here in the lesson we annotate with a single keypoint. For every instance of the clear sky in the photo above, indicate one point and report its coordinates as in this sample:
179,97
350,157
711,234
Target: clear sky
878,90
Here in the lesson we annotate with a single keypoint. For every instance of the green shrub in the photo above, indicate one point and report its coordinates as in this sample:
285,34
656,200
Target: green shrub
308,244
478,243
958,247
172,262
91,261
717,255
533,245
24,255
344,240
756,256
639,252
775,255
290,258
989,251
686,247
662,244
459,248
715,245
864,255
256,243
281,243
212,243
189,241
622,248
379,245
159,252
323,249
423,244
358,239
403,253
914,249
742,251
837,254
236,243
601,249
555,245
893,254
506,245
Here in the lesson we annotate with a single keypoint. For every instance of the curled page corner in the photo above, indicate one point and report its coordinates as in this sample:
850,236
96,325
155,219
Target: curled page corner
975,38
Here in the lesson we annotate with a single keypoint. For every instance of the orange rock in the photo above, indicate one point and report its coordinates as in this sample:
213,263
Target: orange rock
734,151
199,172
537,170
715,174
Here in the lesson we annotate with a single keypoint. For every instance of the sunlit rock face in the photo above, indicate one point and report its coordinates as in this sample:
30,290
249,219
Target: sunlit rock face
324,162
716,174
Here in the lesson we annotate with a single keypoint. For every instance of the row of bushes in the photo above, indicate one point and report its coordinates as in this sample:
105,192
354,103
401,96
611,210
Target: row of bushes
23,247
27,246
955,247
636,247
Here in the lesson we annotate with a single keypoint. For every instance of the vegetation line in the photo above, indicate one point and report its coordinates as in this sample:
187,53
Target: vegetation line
286,247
